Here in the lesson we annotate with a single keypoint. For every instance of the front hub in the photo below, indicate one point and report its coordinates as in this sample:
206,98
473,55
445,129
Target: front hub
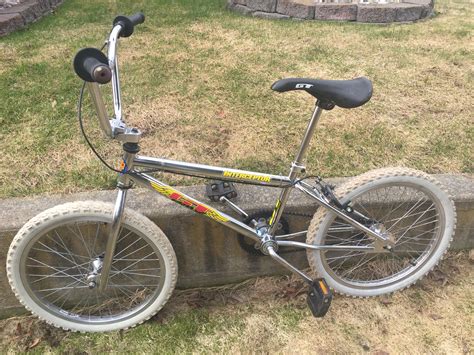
93,278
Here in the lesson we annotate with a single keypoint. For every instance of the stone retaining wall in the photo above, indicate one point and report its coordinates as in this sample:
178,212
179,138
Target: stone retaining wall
15,14
405,11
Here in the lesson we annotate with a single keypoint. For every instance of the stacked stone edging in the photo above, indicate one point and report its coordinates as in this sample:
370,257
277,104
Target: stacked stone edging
406,11
18,16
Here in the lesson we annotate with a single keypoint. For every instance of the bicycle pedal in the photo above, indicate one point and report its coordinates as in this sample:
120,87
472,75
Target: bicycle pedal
216,189
319,298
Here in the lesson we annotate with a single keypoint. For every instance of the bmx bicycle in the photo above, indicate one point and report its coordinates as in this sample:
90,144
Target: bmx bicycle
94,266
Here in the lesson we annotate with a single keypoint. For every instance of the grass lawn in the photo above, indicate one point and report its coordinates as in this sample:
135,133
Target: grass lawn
269,315
196,79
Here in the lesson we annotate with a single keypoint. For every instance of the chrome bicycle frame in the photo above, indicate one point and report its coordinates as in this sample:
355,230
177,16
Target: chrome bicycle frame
132,173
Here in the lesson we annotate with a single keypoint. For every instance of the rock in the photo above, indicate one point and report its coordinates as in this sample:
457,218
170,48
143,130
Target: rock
341,12
293,9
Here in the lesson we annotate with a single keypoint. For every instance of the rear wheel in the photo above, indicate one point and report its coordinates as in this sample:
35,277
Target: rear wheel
54,265
417,214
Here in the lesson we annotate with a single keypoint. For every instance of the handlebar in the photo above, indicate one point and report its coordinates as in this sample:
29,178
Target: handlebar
95,68
128,23
92,65
98,71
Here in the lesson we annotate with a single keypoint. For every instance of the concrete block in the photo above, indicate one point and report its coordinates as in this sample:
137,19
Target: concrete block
376,13
10,23
293,9
408,12
262,5
340,12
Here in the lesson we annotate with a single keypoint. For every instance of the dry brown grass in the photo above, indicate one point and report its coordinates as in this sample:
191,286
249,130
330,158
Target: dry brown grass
199,89
269,315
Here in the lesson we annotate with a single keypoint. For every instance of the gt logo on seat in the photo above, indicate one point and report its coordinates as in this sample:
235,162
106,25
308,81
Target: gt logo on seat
303,86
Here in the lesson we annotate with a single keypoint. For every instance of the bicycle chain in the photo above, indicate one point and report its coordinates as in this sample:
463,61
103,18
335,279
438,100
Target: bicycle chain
299,214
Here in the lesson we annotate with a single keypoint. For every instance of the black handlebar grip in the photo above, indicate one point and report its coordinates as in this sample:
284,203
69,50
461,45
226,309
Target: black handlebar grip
90,64
128,23
97,70
137,18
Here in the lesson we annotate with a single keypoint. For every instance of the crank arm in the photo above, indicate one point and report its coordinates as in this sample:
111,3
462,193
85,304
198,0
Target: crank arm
287,265
285,243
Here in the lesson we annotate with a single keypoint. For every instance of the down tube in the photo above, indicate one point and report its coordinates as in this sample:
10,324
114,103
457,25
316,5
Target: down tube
189,202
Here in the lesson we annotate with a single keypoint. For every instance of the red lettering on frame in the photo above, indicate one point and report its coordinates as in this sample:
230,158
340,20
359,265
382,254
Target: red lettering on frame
175,196
201,209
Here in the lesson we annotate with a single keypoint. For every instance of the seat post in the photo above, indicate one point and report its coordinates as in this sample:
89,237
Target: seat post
296,168
307,138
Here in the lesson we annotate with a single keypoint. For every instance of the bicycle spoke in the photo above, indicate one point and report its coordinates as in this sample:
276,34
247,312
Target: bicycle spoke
409,215
60,262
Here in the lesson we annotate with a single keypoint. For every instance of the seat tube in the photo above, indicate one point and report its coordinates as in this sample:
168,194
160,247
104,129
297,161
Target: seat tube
296,168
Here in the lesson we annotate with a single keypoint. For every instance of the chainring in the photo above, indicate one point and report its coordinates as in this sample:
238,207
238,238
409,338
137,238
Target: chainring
264,217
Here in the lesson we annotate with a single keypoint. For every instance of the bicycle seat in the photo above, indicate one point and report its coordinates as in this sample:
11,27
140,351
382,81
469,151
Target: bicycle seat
342,93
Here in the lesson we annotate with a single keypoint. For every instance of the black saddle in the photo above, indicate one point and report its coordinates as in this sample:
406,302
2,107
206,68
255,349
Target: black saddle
342,93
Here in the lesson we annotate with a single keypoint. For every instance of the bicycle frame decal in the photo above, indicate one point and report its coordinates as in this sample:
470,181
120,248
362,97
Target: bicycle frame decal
277,207
176,196
243,176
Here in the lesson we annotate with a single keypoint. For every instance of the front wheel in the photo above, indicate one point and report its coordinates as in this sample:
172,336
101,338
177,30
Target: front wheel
410,206
54,265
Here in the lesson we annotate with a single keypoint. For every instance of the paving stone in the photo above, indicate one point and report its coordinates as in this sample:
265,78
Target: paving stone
240,2
262,5
341,12
376,13
408,12
10,22
270,15
293,9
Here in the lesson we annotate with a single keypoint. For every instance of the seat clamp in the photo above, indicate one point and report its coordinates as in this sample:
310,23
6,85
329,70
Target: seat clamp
298,168
326,105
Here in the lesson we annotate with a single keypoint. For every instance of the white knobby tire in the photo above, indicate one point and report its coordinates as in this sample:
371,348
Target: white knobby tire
52,257
421,217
